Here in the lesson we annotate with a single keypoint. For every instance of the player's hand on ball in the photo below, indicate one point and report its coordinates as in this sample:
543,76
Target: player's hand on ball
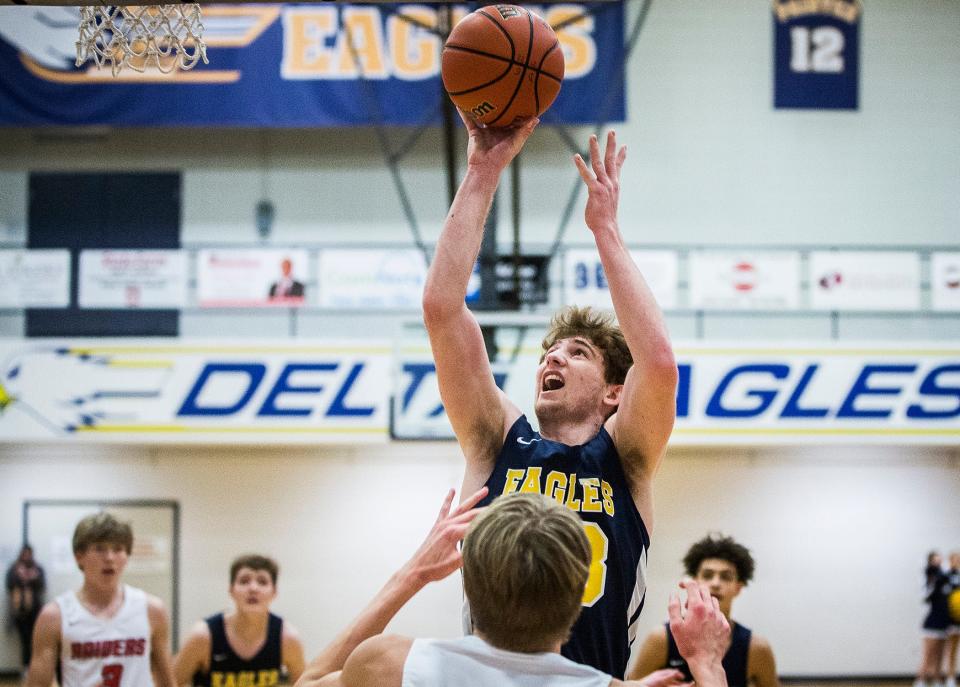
493,149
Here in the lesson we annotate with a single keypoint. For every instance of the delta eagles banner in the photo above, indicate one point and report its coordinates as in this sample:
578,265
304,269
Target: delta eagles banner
313,392
274,65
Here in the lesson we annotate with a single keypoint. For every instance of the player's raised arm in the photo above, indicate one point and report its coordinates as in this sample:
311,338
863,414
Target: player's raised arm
701,632
643,422
476,408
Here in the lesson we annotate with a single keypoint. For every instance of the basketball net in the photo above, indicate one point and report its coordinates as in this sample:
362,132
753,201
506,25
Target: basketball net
166,37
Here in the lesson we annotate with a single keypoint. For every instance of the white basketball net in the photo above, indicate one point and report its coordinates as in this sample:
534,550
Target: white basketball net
166,37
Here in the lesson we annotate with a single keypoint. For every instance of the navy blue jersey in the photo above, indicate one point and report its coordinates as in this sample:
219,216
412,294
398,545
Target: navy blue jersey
587,479
734,661
229,670
937,595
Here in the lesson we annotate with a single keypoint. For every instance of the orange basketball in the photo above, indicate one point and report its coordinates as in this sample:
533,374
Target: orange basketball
502,64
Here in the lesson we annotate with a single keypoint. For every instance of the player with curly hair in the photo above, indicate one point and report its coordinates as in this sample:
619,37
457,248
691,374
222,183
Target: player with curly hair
725,567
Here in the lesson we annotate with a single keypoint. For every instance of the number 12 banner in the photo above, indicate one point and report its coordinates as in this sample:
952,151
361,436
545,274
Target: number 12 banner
816,54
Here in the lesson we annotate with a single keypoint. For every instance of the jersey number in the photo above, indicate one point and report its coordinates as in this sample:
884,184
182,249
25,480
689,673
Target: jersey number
819,50
111,675
598,563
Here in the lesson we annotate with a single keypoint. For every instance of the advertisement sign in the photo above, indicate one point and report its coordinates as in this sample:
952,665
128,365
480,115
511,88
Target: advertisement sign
34,278
864,280
292,65
744,281
816,47
741,395
243,278
586,284
945,281
374,279
132,279
119,390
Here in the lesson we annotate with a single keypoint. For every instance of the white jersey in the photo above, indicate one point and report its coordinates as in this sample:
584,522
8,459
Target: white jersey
113,652
471,661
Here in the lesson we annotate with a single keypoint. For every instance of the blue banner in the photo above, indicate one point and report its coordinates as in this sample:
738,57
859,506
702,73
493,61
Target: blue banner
289,66
816,54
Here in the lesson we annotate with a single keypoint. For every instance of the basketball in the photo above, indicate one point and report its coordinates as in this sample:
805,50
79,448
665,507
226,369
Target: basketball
502,64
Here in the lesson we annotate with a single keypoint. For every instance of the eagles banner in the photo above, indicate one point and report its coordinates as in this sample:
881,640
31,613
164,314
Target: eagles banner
274,65
349,392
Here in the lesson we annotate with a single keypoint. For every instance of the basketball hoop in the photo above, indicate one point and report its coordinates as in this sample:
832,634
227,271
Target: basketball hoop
167,37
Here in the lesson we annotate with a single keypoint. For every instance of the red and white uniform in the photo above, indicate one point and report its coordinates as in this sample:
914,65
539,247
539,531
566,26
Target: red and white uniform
114,652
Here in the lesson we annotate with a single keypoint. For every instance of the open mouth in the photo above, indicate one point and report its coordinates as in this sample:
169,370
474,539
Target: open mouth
552,382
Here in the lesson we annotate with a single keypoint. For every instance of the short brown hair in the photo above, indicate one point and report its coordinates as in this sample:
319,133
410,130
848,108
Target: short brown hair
254,562
101,528
723,548
525,564
602,331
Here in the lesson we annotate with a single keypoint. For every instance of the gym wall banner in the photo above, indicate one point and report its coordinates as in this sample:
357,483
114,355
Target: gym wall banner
139,391
816,48
945,281
252,277
339,392
747,280
865,280
133,279
276,65
738,395
35,278
371,279
586,284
